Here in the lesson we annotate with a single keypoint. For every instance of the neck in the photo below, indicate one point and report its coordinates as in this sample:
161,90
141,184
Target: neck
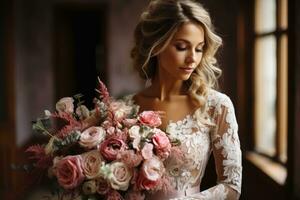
166,87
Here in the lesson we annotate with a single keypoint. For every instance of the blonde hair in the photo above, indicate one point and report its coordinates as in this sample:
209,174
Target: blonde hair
156,28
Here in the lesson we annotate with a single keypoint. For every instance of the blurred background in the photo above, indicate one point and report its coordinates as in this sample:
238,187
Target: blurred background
55,48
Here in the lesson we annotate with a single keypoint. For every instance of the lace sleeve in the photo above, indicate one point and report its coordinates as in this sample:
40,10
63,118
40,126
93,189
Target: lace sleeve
227,154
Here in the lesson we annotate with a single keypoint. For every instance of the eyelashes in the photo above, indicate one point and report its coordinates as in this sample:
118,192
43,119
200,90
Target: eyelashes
184,48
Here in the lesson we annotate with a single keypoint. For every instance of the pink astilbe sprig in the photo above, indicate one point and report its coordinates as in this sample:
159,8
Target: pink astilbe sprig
165,184
39,156
70,124
103,92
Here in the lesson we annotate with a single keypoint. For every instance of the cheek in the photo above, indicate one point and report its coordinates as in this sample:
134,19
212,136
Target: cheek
171,58
199,58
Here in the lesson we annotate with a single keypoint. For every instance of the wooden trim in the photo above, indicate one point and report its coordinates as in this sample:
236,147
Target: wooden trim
292,96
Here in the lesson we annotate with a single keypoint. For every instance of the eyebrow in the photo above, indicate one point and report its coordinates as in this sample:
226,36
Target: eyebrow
184,40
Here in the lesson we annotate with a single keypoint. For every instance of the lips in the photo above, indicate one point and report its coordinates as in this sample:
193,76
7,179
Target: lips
187,69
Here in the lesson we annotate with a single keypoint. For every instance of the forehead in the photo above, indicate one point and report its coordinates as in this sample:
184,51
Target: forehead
191,32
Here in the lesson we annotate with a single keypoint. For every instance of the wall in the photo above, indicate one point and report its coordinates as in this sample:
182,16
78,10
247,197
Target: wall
34,67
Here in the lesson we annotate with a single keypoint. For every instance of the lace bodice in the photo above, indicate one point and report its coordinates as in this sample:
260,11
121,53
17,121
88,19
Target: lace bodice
197,142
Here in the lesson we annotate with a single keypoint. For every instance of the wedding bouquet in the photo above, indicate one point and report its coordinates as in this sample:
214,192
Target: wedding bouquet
109,152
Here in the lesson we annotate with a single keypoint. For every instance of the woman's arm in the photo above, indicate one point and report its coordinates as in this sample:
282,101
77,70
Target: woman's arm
227,154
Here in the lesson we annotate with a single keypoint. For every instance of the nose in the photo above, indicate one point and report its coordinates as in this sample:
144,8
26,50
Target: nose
190,57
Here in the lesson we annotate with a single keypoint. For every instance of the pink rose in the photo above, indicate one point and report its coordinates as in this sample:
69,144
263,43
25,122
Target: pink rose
69,172
92,136
161,143
92,162
102,186
65,105
147,150
134,195
130,158
150,118
120,176
111,147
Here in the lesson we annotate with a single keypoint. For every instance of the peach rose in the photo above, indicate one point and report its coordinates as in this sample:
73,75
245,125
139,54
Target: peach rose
65,105
69,172
150,118
120,176
91,165
92,136
110,148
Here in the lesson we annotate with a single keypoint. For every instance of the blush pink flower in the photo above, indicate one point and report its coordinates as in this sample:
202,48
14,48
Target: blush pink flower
145,184
65,105
92,136
129,122
147,150
110,148
150,118
152,168
69,172
92,162
130,158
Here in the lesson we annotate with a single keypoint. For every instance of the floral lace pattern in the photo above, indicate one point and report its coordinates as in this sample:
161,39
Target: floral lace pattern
197,144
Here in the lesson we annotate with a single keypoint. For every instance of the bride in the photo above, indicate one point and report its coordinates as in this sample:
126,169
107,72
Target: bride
175,47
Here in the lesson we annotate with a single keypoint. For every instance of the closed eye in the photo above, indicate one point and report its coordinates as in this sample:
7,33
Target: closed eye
199,50
180,47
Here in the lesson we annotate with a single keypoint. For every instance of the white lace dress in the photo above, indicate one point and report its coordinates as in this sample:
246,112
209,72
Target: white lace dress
197,144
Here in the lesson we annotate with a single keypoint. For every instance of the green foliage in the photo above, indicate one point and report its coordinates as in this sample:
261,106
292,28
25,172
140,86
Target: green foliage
70,139
42,125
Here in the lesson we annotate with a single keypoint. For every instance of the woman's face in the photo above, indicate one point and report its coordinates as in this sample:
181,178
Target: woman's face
183,54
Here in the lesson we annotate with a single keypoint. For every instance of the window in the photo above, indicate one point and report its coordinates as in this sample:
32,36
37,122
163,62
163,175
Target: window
270,82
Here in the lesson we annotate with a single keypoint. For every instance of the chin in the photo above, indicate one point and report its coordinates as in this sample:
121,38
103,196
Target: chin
184,77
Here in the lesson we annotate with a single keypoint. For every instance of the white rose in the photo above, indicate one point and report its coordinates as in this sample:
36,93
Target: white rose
92,136
120,176
134,134
65,105
120,109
